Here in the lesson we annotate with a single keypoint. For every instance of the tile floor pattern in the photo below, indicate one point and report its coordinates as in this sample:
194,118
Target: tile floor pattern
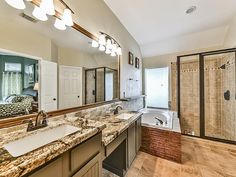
200,158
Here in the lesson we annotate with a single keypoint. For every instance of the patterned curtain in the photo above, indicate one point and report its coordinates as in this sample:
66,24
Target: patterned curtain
11,83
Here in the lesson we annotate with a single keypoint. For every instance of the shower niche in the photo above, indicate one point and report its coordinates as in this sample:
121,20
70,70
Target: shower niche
100,84
204,90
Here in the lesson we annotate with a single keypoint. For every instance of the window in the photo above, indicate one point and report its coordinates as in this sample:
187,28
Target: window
157,87
12,67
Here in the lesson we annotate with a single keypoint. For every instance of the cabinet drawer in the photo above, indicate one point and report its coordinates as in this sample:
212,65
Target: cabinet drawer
114,144
91,169
83,153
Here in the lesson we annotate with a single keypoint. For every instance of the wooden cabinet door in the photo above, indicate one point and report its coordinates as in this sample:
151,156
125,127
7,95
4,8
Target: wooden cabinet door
138,134
91,169
131,144
54,169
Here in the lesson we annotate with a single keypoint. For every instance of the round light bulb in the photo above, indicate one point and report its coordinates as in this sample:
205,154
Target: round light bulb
67,17
18,4
102,40
48,7
108,51
119,51
102,48
59,24
114,47
95,44
113,54
109,45
40,13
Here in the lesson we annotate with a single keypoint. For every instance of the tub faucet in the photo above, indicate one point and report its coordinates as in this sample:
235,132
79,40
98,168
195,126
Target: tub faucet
159,120
116,110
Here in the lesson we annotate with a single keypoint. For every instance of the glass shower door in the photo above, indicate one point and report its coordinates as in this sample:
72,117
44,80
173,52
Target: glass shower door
219,96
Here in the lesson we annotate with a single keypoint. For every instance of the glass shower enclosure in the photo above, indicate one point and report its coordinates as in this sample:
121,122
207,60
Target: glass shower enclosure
100,84
206,94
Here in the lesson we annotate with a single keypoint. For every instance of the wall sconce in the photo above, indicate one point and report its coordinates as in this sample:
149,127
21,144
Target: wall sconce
108,44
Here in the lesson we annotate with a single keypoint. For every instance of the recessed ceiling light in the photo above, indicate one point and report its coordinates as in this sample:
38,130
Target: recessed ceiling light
191,9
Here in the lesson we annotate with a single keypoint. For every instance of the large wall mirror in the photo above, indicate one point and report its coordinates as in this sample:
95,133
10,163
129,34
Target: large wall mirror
76,74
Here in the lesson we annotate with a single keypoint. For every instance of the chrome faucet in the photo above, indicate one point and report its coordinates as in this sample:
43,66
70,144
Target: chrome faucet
44,116
116,110
159,120
38,124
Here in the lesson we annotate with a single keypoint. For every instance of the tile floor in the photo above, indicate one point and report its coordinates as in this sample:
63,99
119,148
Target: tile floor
200,158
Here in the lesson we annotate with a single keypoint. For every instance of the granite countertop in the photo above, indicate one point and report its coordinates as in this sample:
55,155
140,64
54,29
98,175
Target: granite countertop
19,166
115,126
110,126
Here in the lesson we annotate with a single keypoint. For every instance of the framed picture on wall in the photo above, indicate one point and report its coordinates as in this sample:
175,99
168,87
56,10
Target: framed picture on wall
131,58
137,63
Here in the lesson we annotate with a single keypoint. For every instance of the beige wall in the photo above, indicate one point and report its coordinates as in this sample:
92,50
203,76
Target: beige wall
23,40
70,57
230,40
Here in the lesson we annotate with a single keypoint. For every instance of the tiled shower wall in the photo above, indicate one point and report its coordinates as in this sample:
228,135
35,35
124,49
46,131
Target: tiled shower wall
220,119
189,95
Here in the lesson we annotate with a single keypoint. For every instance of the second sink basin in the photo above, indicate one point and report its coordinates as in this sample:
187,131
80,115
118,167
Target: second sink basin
32,142
124,116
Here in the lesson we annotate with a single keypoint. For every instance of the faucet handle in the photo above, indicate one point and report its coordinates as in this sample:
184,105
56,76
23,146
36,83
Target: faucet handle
30,124
45,122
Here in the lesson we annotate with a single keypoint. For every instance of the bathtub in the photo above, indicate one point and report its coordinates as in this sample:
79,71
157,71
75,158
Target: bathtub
169,119
162,140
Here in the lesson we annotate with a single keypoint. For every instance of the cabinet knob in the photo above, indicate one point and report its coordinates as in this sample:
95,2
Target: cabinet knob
54,99
78,96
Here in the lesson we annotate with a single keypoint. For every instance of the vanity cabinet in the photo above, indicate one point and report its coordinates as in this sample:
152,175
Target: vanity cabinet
83,160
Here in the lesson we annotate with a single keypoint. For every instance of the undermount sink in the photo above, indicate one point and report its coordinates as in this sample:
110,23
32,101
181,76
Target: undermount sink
32,142
124,116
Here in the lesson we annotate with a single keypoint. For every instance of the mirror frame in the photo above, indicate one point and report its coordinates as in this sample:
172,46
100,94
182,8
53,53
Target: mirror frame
9,122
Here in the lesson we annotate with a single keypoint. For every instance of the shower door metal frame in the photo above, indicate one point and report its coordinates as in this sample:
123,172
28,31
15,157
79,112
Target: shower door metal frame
202,91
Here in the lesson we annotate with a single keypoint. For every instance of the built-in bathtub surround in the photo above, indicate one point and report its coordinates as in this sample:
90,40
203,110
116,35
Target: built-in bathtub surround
161,139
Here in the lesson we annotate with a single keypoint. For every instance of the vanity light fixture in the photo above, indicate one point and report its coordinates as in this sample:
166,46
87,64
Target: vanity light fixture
59,24
108,44
39,13
67,17
47,7
18,4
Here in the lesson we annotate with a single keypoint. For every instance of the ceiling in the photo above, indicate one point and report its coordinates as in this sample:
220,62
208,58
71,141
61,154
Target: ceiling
160,25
